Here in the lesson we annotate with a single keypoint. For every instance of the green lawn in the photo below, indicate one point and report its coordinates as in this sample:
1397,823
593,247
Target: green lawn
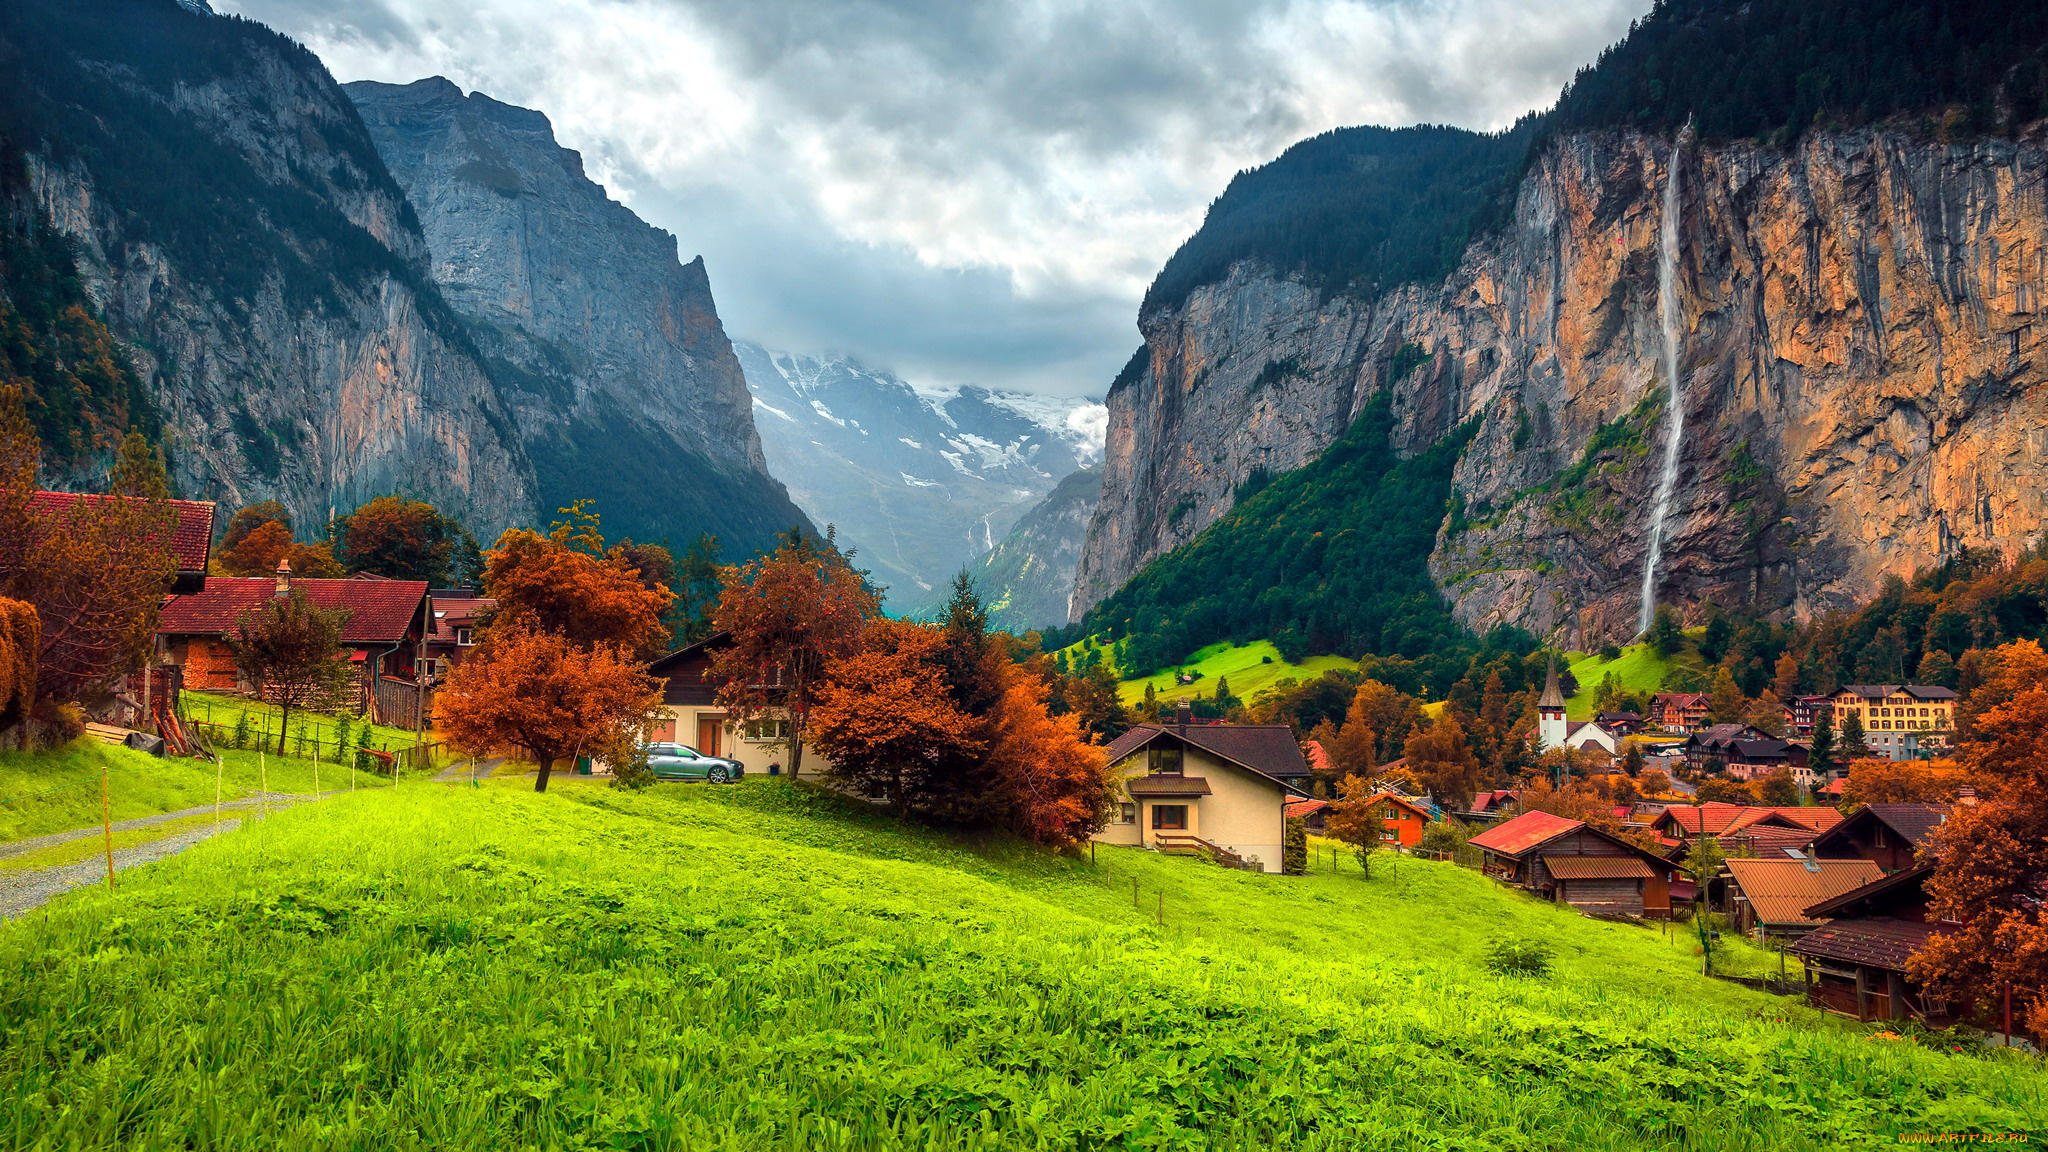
1246,667
766,966
1639,669
43,792
220,712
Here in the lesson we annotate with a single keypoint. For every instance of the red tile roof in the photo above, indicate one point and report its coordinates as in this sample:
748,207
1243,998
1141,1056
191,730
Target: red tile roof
451,614
382,610
1720,818
191,537
1524,832
1299,809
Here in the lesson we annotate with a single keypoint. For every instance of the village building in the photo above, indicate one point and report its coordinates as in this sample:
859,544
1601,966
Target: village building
1402,820
1756,759
382,638
1900,721
1623,724
457,626
190,528
1572,862
693,717
1769,897
1715,742
1313,814
1219,790
1856,960
1888,835
1591,734
1679,711
1491,805
1802,711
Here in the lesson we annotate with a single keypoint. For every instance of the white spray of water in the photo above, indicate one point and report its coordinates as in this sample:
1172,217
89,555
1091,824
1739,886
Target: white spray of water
1674,424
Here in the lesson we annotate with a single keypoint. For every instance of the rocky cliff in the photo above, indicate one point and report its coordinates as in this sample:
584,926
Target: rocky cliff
1027,579
1858,357
618,372
236,228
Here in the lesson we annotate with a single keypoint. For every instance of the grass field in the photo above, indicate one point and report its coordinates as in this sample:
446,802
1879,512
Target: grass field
765,966
1639,670
56,791
1247,668
221,711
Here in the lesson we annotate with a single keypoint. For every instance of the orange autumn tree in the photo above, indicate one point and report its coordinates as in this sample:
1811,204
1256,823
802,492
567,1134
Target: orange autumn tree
1904,782
1990,881
260,550
887,723
569,583
404,540
1050,783
94,569
543,694
790,613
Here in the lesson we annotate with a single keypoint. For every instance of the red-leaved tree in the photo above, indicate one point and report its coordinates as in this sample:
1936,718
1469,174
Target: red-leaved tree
540,692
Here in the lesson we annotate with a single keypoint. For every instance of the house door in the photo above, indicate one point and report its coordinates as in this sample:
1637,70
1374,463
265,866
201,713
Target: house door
710,735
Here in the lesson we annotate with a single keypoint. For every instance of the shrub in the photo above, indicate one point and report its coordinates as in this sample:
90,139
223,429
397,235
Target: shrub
1294,849
1441,836
1519,958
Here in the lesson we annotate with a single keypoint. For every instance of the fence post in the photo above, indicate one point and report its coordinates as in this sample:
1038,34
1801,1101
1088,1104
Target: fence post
107,827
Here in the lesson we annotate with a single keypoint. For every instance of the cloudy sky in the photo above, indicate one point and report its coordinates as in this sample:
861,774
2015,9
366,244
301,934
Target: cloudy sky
963,192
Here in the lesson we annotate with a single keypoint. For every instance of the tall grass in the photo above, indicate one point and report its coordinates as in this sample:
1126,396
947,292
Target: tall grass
763,966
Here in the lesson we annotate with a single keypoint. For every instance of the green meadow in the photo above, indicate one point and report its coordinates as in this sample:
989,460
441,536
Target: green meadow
767,966
1250,669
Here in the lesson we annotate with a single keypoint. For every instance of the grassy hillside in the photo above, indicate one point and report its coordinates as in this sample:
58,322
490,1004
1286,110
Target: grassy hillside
1249,667
761,967
1639,669
44,792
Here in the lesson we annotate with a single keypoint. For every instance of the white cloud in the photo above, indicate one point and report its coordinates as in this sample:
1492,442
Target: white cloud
974,192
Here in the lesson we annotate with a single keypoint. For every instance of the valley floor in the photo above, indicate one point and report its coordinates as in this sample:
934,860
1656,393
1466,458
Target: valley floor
765,966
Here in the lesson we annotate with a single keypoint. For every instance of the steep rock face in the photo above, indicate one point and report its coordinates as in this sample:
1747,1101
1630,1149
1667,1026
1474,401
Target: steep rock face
1861,368
613,358
234,224
920,479
1027,580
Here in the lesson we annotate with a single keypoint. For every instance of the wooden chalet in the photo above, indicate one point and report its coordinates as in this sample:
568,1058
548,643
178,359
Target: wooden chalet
1856,961
1722,820
1888,835
382,638
1679,711
1572,862
190,530
689,697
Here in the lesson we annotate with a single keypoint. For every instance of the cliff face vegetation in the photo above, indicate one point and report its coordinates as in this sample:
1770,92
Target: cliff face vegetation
1859,357
265,275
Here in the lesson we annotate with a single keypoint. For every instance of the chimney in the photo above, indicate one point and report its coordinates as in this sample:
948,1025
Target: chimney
1181,713
1966,796
284,578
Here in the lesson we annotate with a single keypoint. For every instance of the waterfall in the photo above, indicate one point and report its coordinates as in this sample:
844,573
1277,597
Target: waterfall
1674,422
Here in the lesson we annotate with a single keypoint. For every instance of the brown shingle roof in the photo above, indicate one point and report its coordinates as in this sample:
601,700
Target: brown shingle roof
1596,867
1266,749
1164,785
381,610
1782,890
191,536
1877,943
1519,835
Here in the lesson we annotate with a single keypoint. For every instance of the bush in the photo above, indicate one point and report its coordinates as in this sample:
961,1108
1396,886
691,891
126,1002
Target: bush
1441,836
1294,849
1519,958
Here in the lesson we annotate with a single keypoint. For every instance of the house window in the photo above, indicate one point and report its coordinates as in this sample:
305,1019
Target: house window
1127,813
1169,817
464,638
765,730
1166,761
432,666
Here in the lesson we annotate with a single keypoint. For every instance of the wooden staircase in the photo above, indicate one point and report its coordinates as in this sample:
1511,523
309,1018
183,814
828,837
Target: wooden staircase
1182,844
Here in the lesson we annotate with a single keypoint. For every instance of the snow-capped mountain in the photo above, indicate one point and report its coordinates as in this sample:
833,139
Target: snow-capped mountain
919,479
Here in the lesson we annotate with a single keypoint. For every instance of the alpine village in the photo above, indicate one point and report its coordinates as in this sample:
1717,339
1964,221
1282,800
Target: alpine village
1541,647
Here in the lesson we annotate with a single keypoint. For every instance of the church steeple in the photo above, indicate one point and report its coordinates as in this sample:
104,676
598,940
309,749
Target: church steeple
1551,728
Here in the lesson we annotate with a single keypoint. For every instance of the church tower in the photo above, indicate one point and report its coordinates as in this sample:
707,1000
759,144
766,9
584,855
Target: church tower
1550,724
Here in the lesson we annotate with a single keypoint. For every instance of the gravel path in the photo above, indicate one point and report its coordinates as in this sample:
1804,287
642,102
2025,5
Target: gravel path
461,769
277,799
22,891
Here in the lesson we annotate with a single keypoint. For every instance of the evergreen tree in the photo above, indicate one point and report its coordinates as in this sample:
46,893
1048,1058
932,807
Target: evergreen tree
139,470
1853,745
1665,634
1150,709
1821,757
1937,667
1725,704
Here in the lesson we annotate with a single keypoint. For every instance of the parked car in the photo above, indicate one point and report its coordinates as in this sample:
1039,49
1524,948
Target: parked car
682,762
